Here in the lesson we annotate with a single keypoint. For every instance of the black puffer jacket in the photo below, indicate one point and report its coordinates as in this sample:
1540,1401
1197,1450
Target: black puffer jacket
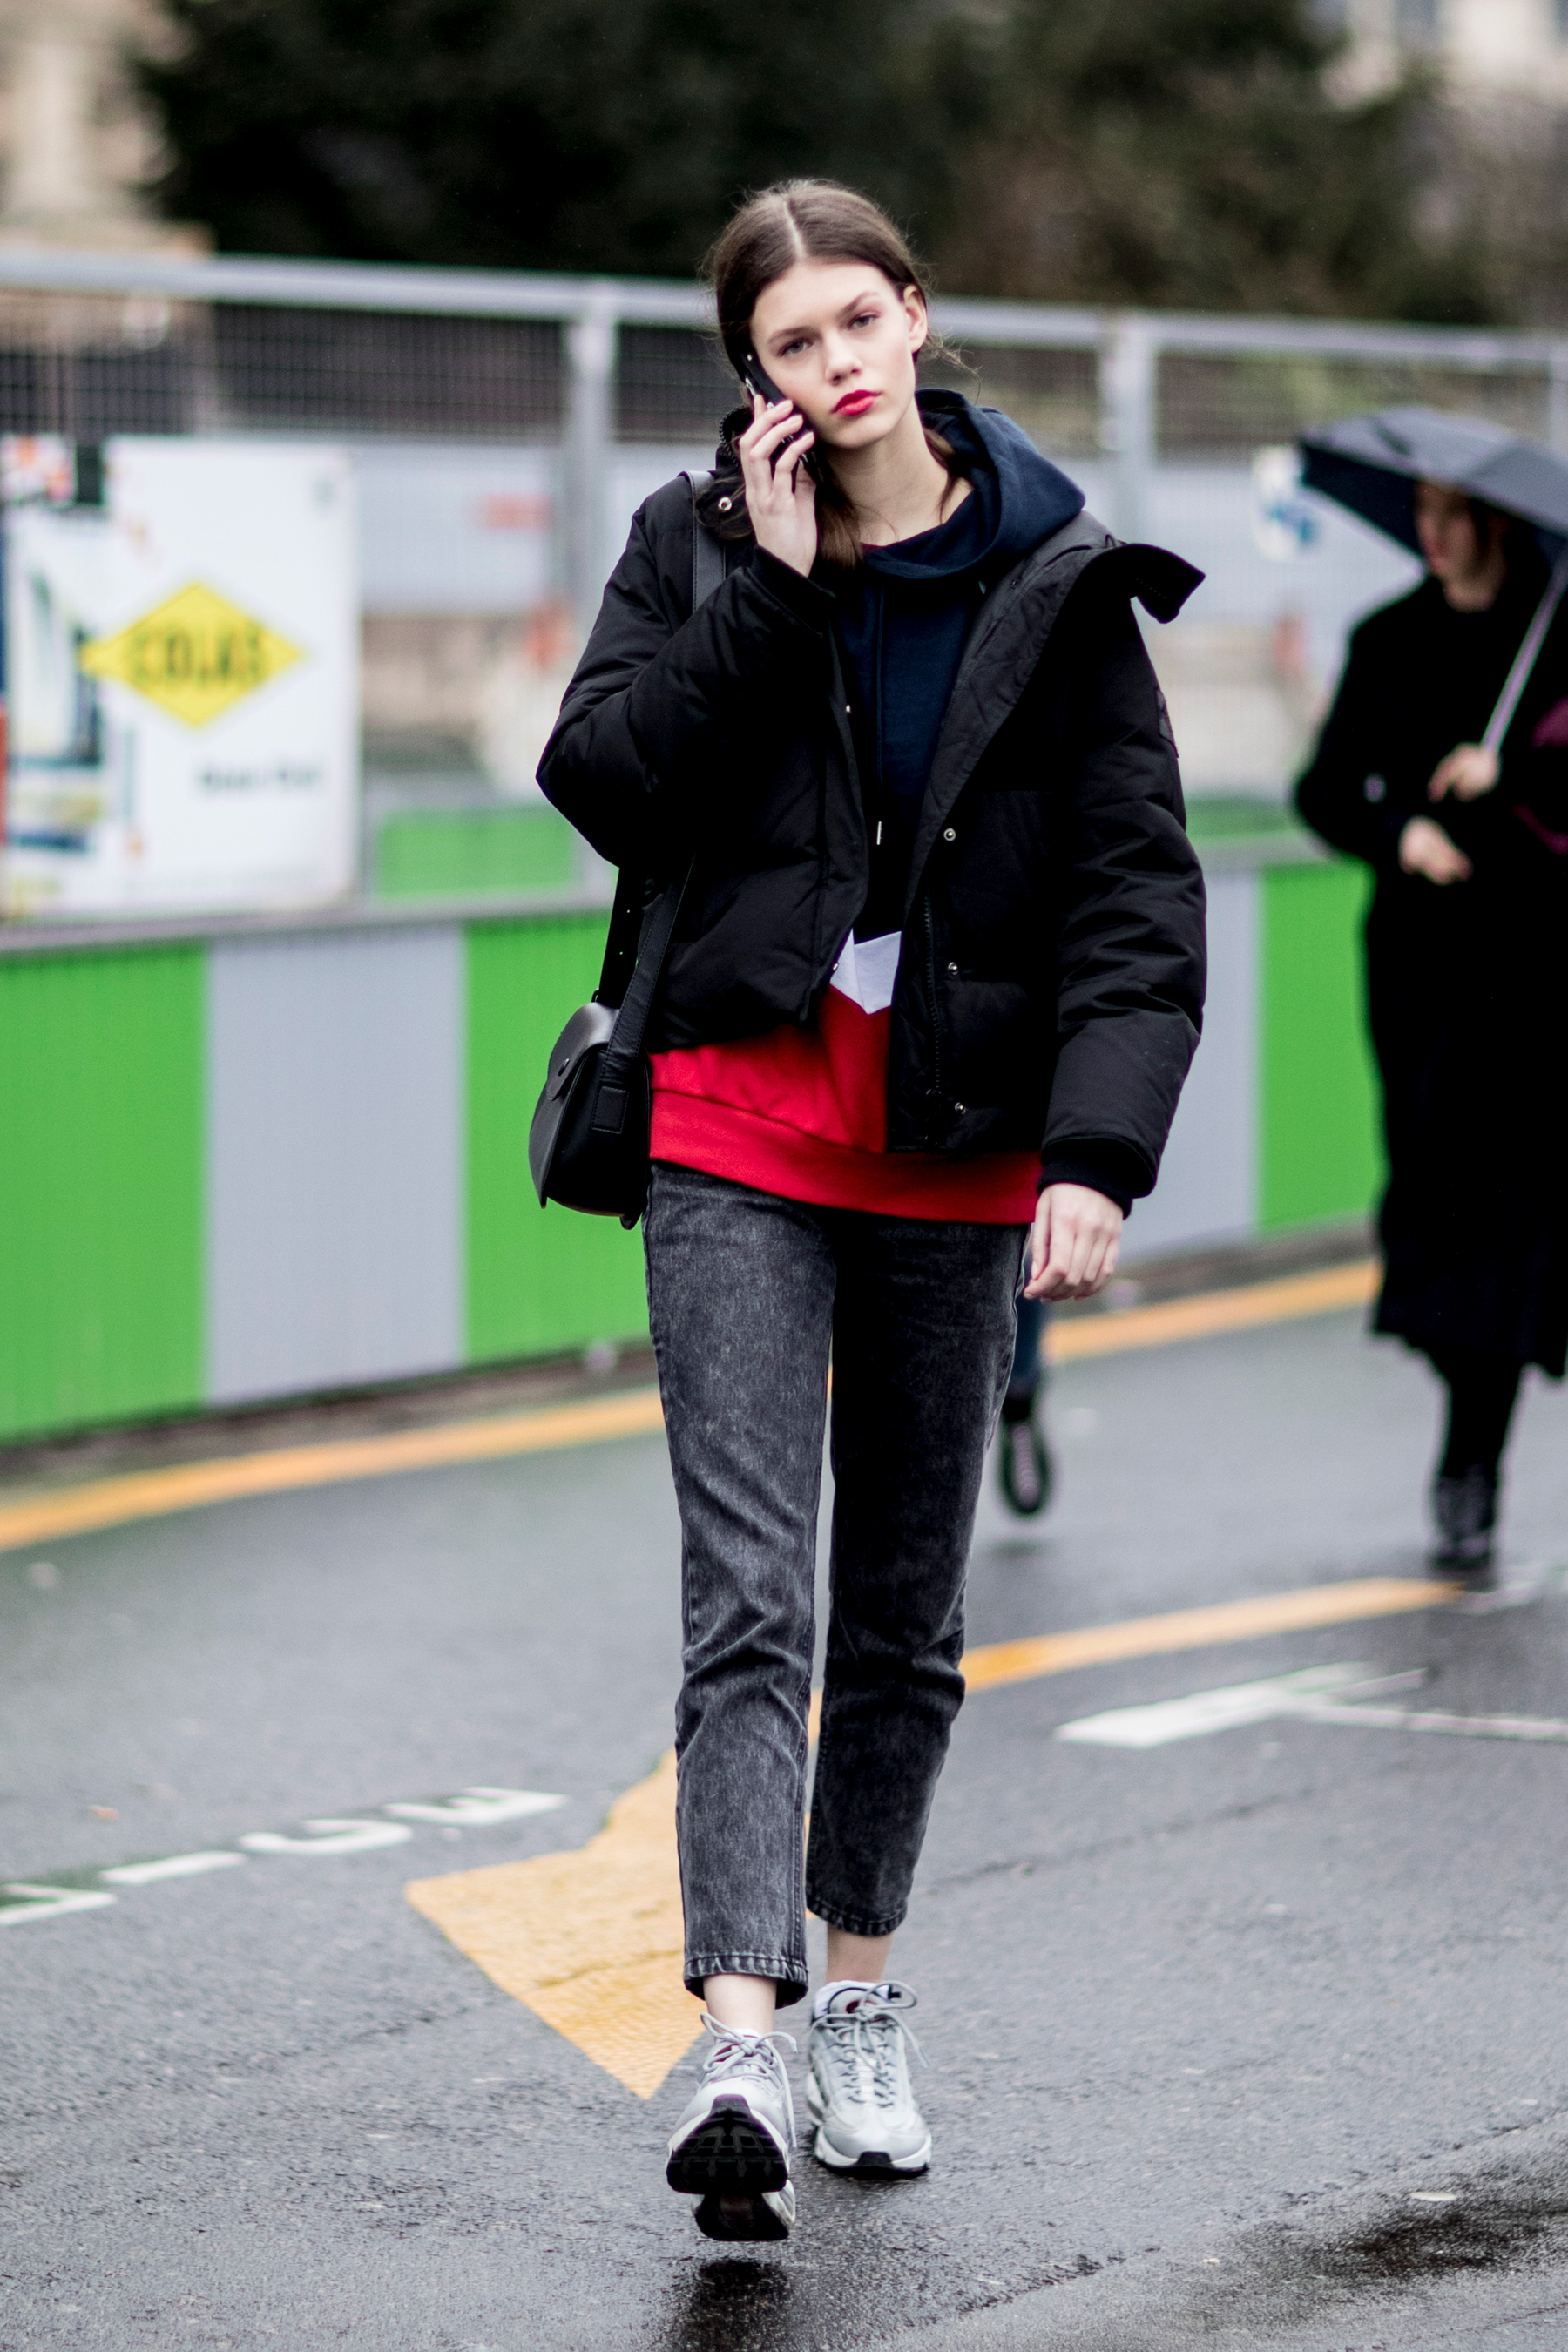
1050,987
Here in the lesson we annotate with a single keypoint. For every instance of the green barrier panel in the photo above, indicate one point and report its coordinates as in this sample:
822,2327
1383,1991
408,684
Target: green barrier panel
1319,1142
463,853
101,1186
539,1281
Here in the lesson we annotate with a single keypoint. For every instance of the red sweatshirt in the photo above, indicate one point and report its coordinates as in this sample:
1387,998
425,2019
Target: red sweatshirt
803,1113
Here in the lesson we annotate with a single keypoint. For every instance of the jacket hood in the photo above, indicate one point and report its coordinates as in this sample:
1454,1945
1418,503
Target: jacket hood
1018,497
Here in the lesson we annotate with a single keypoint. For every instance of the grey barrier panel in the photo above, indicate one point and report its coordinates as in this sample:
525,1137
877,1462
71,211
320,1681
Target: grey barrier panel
336,1178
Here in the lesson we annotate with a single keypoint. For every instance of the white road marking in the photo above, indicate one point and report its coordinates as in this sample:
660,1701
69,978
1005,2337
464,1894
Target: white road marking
1214,1711
474,1808
1531,1580
1322,1695
1550,1729
329,1837
46,1902
170,1865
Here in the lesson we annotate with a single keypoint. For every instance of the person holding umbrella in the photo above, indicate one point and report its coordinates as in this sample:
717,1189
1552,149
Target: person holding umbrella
1443,765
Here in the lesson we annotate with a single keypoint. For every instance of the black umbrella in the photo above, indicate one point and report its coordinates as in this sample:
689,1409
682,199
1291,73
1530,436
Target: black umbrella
1372,465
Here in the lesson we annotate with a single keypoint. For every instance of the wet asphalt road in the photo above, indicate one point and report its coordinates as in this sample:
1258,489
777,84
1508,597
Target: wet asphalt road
1213,2026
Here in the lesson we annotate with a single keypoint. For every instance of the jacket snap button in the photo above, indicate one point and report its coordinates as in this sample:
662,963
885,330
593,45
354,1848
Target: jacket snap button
958,1109
948,834
954,968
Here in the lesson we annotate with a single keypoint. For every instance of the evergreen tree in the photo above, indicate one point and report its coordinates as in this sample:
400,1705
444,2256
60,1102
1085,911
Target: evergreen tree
571,134
1194,155
1187,153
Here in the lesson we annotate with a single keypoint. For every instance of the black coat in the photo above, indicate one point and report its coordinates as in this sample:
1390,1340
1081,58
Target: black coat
1467,983
1051,984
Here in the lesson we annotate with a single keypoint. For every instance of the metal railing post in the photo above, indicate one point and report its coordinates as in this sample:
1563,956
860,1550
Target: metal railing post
1557,398
591,340
1129,357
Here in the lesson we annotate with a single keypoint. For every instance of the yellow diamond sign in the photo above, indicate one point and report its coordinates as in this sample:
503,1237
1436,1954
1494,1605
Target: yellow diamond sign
194,656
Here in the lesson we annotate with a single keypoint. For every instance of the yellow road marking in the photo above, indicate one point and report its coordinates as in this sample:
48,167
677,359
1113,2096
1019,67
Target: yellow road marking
591,1941
1214,1311
151,1494
1195,1629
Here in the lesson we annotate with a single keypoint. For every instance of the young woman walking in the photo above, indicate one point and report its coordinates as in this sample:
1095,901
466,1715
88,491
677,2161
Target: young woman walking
941,953
1465,978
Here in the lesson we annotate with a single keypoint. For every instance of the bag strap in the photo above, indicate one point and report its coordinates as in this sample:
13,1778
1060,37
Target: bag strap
624,1051
707,563
621,945
708,572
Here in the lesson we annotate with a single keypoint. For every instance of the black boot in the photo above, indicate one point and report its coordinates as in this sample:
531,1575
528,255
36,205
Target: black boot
1464,1512
1483,1390
1023,1459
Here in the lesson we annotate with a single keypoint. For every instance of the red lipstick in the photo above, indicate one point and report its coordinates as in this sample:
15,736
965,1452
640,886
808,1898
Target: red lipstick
854,403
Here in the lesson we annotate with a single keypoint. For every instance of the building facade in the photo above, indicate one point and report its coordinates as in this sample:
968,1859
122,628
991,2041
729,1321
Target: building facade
1485,49
75,146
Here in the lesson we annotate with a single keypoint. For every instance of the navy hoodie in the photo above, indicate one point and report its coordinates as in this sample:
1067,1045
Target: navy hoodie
904,615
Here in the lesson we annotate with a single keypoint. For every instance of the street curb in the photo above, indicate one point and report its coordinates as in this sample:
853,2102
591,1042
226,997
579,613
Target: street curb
1418,2259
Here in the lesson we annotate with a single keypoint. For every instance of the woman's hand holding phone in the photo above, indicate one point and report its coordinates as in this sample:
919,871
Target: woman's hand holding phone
781,497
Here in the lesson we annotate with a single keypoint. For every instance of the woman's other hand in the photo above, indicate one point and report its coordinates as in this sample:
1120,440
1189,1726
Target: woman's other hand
1470,770
781,497
1426,849
1073,1247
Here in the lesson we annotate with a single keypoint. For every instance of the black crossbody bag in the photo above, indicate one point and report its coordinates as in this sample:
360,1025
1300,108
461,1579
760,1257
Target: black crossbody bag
588,1144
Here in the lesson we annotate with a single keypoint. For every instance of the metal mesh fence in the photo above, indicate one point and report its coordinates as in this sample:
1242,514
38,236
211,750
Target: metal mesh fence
1053,394
503,431
1228,405
671,384
88,367
377,373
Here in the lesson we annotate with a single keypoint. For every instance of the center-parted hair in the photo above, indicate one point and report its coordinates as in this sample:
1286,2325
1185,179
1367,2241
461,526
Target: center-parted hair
805,220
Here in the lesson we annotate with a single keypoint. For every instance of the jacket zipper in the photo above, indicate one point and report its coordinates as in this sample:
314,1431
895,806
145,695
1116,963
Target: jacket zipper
844,728
935,1015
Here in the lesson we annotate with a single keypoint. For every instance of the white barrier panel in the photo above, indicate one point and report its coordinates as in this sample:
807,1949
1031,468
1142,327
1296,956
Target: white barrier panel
182,680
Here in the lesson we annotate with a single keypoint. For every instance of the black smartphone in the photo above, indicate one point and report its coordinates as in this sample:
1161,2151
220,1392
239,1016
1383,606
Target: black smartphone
756,378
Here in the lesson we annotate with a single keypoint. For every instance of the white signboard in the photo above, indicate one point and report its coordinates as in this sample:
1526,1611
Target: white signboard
182,681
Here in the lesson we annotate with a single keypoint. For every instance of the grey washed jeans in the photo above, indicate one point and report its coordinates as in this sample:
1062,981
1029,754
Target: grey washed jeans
748,1297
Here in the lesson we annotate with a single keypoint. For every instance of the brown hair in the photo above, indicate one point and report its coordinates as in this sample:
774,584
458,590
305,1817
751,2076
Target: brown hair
805,220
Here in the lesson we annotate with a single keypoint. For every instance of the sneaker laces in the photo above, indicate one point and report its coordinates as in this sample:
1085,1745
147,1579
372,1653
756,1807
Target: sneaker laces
737,2053
857,2037
1021,1441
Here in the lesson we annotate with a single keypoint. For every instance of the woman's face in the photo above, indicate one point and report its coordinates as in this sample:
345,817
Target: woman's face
1446,526
841,340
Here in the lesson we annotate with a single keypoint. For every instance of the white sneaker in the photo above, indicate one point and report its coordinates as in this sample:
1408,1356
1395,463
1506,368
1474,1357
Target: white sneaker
859,2091
731,2146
